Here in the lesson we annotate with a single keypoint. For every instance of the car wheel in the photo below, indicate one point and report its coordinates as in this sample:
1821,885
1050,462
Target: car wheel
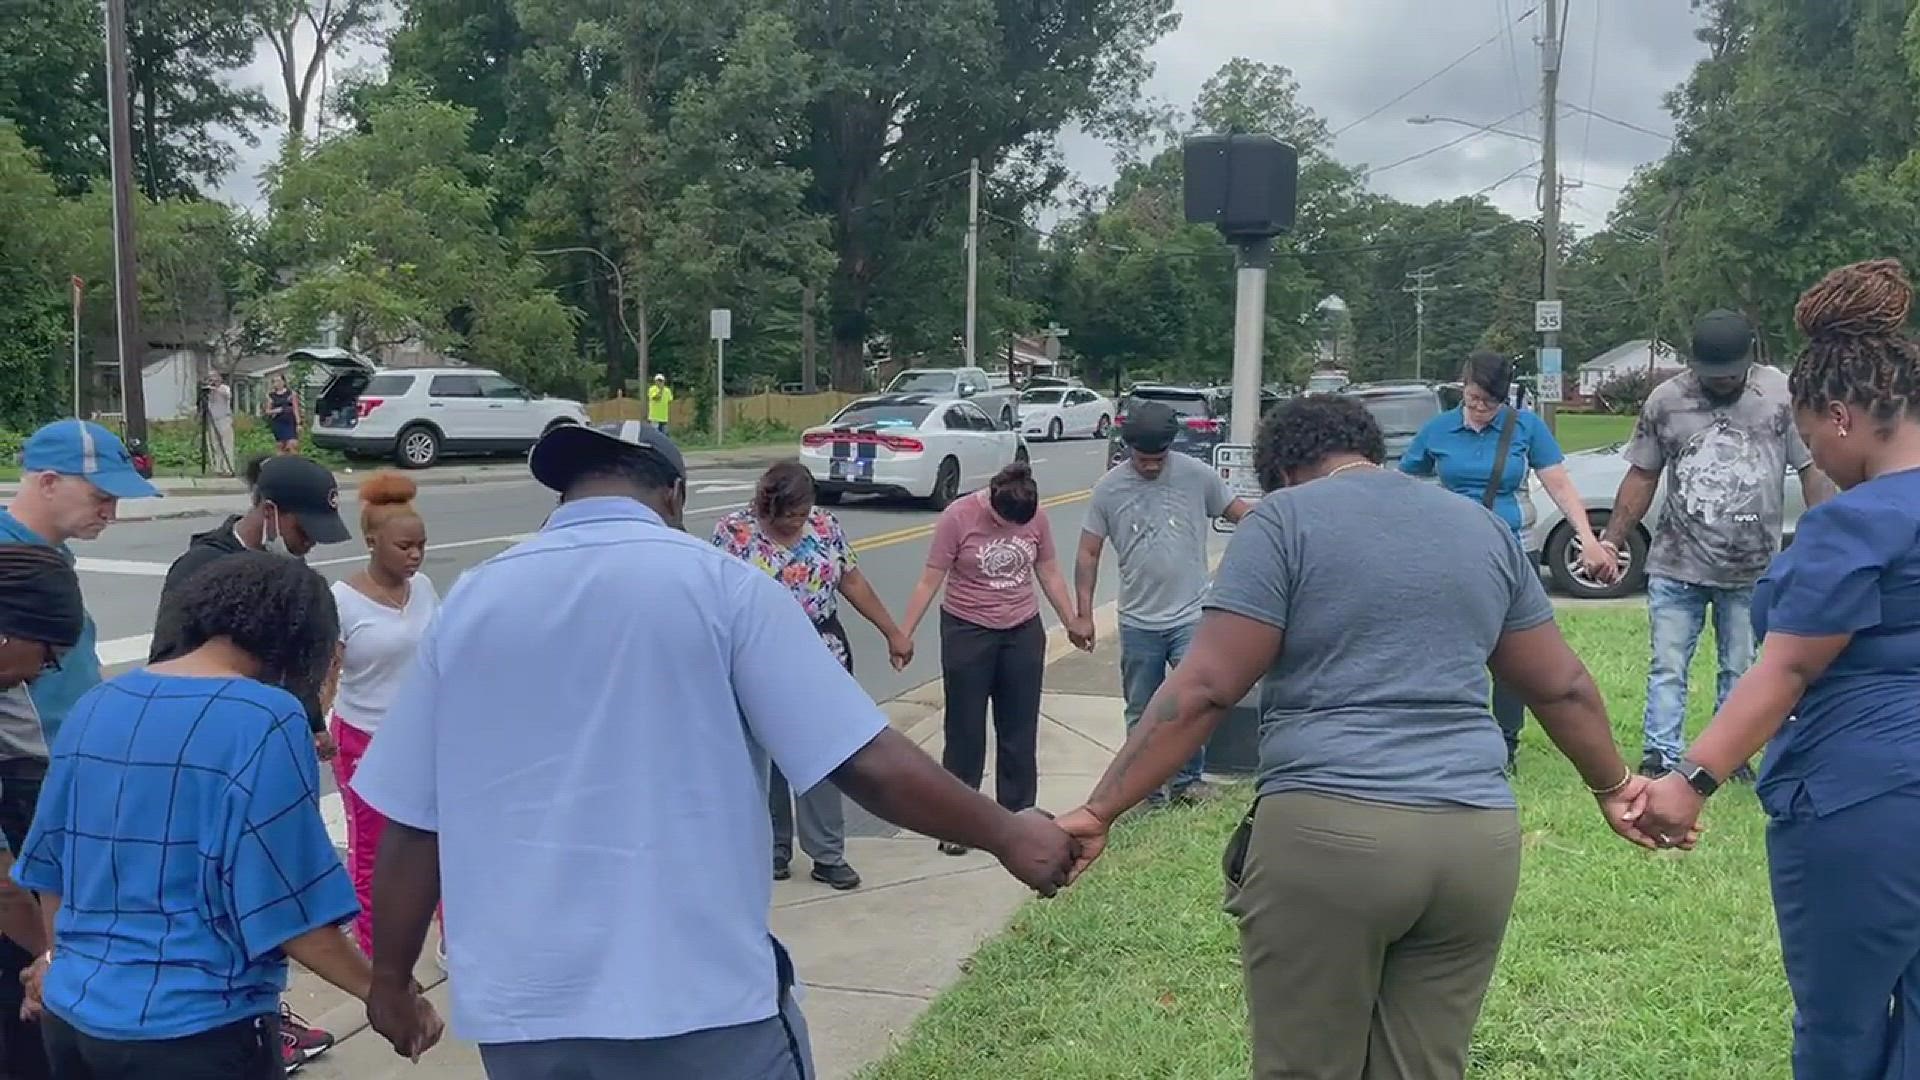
1563,564
1100,429
828,496
1055,430
946,485
417,448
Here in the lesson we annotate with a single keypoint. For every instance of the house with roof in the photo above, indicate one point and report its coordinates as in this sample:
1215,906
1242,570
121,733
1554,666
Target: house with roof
1644,354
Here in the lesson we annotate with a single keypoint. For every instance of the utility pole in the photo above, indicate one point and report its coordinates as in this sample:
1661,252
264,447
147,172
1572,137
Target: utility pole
126,259
1550,52
1422,284
809,369
1252,257
973,258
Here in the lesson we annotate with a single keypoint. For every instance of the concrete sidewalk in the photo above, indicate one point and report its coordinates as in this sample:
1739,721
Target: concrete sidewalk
870,960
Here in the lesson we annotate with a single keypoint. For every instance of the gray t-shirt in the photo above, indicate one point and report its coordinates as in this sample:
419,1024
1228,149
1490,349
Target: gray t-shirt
1158,529
1392,593
1726,467
20,732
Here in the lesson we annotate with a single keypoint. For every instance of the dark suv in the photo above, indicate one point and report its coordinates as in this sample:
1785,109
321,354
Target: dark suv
1403,408
1204,415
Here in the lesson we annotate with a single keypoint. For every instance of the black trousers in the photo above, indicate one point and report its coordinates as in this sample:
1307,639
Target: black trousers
1004,667
245,1050
21,1055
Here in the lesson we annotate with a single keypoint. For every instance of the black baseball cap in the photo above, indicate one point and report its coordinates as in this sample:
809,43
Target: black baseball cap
1150,427
564,453
1722,344
307,490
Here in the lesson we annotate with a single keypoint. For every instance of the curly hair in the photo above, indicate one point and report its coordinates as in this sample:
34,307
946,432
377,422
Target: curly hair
275,609
1303,431
1858,350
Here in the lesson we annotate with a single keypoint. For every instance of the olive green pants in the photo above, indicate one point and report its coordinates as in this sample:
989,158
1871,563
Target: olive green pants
1368,934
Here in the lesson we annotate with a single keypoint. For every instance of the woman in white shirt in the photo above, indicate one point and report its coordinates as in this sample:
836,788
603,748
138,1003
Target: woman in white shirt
384,612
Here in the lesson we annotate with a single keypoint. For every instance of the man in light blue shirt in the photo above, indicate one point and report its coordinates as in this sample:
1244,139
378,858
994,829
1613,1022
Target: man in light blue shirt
582,752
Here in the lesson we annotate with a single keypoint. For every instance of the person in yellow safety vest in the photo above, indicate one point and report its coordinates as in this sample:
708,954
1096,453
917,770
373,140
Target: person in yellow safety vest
659,402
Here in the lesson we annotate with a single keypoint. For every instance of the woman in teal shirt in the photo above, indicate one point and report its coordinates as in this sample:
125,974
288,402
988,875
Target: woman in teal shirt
1835,695
1459,445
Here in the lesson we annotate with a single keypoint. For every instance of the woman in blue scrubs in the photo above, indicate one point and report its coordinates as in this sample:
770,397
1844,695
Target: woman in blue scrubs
1837,691
1459,446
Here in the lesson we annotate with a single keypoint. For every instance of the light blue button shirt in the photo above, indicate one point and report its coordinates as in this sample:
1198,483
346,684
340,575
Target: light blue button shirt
588,727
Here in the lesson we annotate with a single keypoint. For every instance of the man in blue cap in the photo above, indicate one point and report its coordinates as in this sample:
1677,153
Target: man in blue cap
73,476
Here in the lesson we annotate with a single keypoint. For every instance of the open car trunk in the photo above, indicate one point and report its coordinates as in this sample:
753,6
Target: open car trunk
342,374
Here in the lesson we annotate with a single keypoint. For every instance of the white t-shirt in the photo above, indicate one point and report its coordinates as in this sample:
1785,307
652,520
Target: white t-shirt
380,645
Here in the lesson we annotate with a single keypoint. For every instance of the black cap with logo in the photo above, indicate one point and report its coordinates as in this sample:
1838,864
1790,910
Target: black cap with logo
565,452
307,490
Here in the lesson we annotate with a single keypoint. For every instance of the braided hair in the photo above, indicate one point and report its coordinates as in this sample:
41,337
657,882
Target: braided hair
275,609
1858,350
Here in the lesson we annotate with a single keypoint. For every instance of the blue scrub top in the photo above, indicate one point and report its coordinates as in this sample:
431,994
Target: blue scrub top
1854,568
1463,458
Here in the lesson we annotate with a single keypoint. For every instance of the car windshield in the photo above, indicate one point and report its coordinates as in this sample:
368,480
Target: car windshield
1401,414
1184,402
1043,397
882,414
922,382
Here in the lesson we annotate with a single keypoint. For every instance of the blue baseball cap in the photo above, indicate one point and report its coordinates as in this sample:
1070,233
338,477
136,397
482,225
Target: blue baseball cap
87,450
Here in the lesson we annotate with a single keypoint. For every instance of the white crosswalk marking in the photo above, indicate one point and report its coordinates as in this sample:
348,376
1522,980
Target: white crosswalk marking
333,810
120,566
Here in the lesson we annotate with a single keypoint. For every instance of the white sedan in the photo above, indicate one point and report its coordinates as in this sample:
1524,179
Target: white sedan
917,445
1057,412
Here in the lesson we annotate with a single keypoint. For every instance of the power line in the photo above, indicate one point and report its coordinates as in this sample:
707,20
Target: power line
1593,87
1509,178
1424,83
1628,124
1468,137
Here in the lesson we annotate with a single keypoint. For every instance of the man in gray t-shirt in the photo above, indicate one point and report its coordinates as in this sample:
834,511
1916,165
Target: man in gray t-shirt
1155,508
1721,433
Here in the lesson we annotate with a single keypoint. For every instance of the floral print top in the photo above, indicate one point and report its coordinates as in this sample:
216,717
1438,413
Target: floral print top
811,569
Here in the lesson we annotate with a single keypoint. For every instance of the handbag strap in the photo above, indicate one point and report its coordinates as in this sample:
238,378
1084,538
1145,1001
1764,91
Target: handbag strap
1500,458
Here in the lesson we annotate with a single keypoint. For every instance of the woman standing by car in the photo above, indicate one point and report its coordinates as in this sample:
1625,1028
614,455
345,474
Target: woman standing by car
1835,696
283,415
1375,875
803,548
384,611
988,550
1483,450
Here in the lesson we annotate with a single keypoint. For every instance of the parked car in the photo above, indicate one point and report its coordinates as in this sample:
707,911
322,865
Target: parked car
971,383
1203,423
1039,382
917,445
1403,408
1328,381
418,415
1597,474
1054,413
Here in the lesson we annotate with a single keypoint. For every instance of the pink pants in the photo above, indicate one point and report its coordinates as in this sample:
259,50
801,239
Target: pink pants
364,825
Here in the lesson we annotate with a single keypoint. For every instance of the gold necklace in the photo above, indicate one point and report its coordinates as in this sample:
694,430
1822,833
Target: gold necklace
1350,465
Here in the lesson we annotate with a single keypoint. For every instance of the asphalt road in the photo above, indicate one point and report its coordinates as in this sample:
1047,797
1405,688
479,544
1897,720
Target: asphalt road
466,524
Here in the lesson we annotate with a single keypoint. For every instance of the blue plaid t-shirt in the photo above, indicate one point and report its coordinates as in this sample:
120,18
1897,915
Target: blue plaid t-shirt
180,826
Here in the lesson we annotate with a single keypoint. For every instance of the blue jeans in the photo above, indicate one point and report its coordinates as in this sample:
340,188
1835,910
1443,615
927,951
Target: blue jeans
1678,614
1145,658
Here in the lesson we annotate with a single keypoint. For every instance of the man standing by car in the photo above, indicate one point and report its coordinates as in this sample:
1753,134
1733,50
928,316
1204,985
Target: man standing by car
1722,432
659,403
1155,506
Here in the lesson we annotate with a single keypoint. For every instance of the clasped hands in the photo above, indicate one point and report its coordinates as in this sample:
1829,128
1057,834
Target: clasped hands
1655,814
403,1016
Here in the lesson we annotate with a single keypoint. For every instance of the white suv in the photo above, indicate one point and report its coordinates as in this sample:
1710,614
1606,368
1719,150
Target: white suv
418,414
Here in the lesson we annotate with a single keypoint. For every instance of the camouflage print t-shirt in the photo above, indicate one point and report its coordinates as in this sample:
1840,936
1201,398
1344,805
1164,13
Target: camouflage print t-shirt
1726,468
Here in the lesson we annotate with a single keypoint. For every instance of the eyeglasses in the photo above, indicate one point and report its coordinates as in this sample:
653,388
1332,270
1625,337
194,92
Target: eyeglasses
1478,401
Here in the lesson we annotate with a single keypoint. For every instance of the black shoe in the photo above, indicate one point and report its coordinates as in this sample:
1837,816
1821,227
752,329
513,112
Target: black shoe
782,870
1653,766
952,849
1744,775
839,875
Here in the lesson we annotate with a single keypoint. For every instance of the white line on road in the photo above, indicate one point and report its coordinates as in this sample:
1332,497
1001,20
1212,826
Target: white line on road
120,566
125,650
333,810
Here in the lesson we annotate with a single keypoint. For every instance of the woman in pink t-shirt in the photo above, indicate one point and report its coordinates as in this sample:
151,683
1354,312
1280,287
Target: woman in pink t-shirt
987,550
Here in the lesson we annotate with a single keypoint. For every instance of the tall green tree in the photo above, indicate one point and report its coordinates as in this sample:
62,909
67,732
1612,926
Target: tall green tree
33,333
53,86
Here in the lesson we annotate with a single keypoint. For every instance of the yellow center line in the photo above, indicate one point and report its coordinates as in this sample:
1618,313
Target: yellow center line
901,536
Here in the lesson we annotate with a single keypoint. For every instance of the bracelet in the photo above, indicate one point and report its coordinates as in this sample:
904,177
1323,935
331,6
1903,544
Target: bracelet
1602,793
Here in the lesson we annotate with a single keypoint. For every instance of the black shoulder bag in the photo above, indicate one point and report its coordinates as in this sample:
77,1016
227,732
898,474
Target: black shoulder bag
1500,458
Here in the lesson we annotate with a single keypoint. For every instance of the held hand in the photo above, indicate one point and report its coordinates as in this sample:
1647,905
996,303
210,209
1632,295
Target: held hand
324,745
900,650
1623,810
1672,812
405,1019
34,979
1037,852
1080,633
1601,561
1090,832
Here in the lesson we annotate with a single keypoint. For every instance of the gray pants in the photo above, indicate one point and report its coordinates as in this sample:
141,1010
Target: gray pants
822,817
1369,933
772,1049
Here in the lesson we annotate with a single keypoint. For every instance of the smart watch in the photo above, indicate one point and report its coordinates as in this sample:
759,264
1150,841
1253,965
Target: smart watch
1697,777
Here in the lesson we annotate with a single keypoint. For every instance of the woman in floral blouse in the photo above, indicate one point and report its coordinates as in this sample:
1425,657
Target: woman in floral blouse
801,546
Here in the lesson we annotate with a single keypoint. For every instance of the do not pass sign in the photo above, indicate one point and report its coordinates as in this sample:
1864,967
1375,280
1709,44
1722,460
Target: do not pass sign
1235,462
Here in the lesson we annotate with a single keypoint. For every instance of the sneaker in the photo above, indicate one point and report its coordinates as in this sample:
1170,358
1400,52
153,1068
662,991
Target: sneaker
300,1043
1195,793
952,849
1653,766
838,875
782,870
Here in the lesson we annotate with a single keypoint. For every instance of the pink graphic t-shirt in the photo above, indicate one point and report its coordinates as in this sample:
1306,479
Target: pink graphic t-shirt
989,563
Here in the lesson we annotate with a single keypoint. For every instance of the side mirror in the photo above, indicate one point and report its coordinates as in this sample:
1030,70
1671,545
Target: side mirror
967,390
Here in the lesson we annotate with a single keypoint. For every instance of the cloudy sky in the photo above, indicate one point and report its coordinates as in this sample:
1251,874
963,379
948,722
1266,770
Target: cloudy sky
1352,57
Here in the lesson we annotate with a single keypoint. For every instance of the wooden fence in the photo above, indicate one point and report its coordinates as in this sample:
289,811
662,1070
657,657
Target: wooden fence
791,411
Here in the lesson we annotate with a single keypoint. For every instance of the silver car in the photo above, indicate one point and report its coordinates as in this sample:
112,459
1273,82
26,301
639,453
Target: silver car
1596,475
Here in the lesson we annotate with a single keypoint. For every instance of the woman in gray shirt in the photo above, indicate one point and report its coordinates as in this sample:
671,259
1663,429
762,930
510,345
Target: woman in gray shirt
1374,877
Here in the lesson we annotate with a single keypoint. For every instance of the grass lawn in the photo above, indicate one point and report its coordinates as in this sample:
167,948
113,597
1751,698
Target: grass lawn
1585,431
1618,963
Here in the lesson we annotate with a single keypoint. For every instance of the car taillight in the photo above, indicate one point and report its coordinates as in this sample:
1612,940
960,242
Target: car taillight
1206,424
367,404
902,444
815,438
